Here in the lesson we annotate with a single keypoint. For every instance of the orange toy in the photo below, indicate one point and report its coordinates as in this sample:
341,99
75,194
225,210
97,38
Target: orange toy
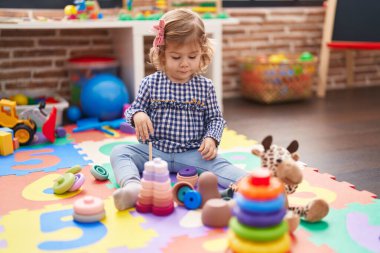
258,224
24,129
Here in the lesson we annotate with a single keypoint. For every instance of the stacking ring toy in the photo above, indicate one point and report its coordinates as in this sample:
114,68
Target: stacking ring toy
149,166
88,205
161,177
160,166
192,179
89,218
192,199
142,208
237,244
162,202
253,206
188,172
79,181
148,176
99,172
163,211
146,184
75,169
258,234
261,192
158,186
63,183
259,219
177,187
163,195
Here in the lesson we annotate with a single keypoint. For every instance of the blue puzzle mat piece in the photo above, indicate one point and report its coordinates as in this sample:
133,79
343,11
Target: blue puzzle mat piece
45,158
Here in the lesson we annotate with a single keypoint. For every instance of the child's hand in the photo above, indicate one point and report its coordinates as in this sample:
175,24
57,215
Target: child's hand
143,126
208,148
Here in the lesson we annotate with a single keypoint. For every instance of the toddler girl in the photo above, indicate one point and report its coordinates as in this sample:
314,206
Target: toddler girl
176,109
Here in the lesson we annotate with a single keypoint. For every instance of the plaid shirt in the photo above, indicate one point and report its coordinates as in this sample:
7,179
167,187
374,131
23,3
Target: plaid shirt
182,114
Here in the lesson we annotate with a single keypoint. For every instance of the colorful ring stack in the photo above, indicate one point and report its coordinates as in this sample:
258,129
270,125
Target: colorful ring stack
89,209
70,181
156,193
258,224
188,174
99,172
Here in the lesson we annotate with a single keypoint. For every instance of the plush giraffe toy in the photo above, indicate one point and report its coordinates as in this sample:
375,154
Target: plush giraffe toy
282,162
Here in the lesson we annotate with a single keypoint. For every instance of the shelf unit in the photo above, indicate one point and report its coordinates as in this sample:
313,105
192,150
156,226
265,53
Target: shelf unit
199,6
128,40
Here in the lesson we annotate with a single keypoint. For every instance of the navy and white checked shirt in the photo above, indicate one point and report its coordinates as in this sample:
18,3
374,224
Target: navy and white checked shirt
182,114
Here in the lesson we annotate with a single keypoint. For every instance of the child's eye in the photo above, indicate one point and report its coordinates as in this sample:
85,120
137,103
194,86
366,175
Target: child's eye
192,57
175,58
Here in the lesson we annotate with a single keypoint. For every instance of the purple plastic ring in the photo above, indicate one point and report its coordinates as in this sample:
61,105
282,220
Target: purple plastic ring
161,177
79,181
148,176
188,172
259,219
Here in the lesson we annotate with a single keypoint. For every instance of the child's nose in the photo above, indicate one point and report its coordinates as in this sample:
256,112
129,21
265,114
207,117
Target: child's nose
184,63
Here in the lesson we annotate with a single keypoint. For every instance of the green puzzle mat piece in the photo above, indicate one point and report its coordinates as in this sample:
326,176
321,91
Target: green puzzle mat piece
334,233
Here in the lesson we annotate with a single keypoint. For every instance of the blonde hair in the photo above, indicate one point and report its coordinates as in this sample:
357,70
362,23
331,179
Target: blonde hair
183,26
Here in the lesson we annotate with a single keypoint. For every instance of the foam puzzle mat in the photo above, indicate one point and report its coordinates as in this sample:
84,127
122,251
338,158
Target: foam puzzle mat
34,219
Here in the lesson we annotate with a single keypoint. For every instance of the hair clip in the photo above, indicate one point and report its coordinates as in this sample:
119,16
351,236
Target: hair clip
160,29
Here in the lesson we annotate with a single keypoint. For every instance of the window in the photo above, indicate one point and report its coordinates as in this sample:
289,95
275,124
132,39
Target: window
271,3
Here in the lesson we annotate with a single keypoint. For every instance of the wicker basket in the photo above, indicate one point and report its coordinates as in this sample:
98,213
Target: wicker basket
277,82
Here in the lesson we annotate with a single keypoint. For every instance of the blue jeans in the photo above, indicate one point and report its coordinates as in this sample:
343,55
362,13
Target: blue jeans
128,163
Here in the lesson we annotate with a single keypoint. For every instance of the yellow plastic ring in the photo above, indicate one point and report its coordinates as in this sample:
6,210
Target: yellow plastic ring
250,191
237,244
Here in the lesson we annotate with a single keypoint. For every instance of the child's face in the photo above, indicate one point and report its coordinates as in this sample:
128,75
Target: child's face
182,61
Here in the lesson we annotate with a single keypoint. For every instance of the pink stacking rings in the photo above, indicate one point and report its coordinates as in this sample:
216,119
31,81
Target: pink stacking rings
88,205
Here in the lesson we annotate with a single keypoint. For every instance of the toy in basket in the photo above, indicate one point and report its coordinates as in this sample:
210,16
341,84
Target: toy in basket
277,78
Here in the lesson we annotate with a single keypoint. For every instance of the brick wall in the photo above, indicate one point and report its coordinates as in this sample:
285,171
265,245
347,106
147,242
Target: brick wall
36,58
288,30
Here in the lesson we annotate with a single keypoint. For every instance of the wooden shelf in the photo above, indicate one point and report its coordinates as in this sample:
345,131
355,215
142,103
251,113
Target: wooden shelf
128,40
195,5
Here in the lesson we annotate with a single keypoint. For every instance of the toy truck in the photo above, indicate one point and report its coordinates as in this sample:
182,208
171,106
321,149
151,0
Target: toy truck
24,129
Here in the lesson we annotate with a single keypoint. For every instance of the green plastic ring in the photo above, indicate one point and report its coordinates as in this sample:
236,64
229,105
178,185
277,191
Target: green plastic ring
63,183
99,172
258,234
75,169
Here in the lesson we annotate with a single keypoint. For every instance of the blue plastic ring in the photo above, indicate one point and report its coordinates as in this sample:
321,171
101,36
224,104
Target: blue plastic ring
192,199
263,206
99,172
182,191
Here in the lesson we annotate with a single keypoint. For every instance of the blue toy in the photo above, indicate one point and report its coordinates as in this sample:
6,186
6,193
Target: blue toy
73,113
93,123
192,200
99,172
103,97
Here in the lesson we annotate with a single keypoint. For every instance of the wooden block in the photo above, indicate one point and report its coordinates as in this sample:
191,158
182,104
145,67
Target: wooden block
6,143
6,129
